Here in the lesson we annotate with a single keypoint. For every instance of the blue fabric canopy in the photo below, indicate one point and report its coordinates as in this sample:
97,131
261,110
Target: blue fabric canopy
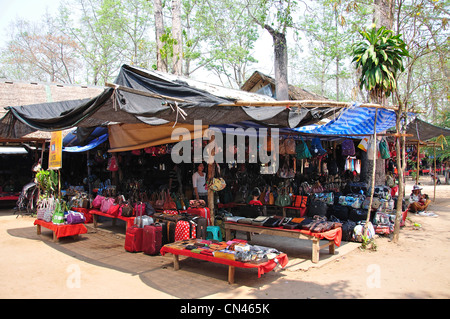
354,121
73,142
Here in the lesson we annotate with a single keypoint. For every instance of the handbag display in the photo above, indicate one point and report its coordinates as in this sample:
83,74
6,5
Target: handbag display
194,203
107,202
126,210
75,218
301,150
97,202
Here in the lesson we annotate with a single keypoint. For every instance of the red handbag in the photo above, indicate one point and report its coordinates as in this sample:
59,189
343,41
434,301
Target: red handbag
169,203
113,210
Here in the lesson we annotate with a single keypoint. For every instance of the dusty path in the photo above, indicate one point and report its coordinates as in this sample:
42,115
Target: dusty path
97,267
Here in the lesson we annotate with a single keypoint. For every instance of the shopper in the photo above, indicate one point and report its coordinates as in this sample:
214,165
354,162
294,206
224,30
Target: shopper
199,183
418,202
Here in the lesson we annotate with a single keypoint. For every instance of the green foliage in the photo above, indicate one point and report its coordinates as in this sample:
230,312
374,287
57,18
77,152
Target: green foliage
47,182
379,56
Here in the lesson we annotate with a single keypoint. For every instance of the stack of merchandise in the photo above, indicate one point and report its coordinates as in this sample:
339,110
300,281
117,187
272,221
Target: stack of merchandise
236,249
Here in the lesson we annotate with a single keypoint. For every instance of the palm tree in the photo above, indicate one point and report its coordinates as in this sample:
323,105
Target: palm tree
379,57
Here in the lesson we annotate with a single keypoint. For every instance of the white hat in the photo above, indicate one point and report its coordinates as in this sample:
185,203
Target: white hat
416,187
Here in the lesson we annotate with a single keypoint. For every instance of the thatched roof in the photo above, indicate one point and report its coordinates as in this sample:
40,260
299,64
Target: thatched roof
259,80
16,93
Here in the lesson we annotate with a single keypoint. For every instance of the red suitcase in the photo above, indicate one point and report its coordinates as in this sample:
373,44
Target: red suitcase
133,239
152,239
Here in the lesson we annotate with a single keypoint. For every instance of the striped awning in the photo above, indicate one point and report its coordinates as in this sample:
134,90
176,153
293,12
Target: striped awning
354,121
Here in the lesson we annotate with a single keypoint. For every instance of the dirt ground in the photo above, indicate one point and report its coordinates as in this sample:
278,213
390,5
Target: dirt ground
96,266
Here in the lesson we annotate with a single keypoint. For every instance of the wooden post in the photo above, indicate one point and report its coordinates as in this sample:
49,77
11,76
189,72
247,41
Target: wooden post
418,163
375,155
435,174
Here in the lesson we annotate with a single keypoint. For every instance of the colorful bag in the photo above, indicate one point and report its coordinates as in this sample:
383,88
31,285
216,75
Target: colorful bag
217,184
348,148
316,147
97,202
75,218
107,202
169,203
126,210
197,203
302,151
384,149
139,208
185,230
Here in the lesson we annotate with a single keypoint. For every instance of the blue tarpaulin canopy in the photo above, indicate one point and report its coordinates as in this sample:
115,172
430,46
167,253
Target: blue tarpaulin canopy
354,121
74,142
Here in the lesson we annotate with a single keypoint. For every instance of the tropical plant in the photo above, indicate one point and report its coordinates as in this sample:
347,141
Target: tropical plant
47,182
379,58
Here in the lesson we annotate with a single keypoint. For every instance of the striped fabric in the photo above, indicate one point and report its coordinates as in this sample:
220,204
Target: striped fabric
354,120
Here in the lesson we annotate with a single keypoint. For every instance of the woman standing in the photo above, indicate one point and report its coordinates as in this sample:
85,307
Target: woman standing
199,183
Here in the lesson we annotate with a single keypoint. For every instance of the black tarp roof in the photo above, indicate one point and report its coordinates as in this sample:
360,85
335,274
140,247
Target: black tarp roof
146,96
423,131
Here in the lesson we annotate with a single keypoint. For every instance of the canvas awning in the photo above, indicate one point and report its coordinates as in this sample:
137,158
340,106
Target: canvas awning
354,121
143,96
423,131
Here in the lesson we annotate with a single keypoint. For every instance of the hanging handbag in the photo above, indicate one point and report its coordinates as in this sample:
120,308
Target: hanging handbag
159,204
169,203
384,149
301,150
290,146
316,147
348,148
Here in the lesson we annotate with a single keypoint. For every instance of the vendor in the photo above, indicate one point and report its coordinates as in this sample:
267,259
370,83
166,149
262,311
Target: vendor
418,201
199,183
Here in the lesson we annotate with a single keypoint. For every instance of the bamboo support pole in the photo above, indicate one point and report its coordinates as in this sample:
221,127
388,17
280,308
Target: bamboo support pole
375,153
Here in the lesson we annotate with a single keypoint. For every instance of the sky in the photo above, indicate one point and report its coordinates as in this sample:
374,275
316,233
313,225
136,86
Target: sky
26,9
33,10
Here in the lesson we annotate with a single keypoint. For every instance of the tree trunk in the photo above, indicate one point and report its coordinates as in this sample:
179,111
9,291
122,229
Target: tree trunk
383,13
176,33
161,62
281,62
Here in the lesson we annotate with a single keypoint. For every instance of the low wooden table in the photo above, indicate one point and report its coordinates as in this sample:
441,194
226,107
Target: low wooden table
333,236
61,230
263,268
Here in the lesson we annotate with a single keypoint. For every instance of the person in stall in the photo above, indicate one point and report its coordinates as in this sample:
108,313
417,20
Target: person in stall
255,194
199,183
418,202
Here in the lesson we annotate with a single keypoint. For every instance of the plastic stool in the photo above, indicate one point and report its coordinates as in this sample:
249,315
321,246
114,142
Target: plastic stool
213,232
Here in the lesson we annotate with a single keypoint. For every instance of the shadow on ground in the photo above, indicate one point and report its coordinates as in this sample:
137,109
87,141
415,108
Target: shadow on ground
196,279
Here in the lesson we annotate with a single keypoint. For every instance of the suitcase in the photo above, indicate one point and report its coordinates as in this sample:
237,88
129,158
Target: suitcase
202,223
185,229
133,239
152,239
202,212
